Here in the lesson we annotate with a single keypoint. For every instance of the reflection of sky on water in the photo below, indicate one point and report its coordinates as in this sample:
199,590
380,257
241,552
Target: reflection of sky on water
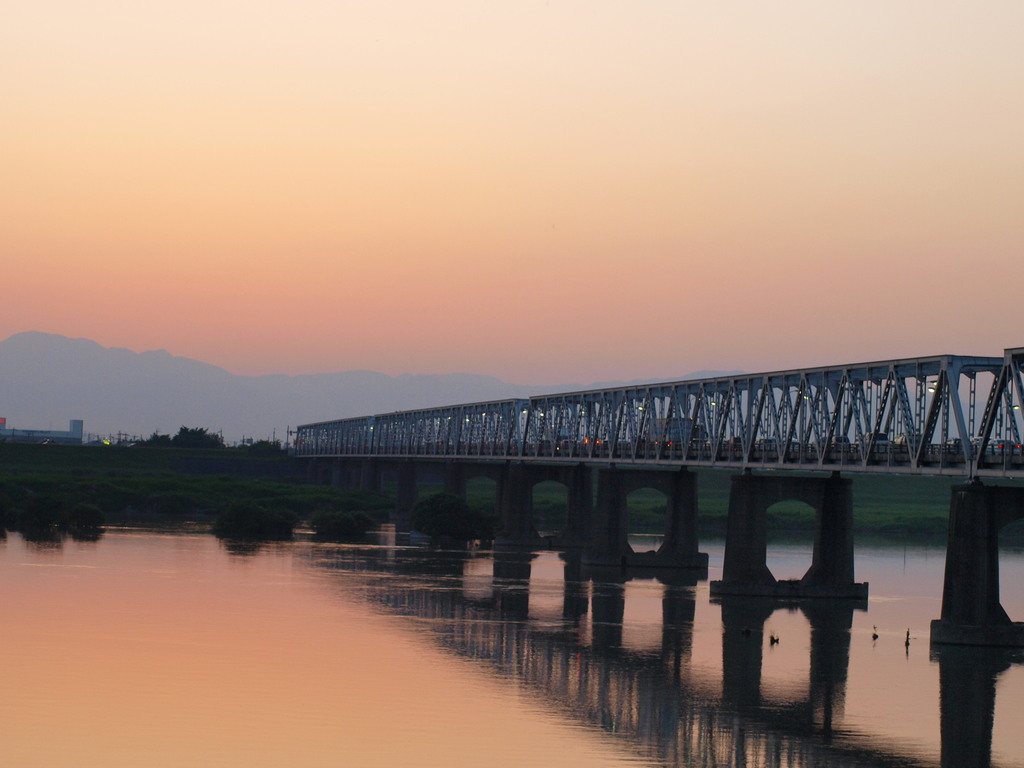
165,635
171,651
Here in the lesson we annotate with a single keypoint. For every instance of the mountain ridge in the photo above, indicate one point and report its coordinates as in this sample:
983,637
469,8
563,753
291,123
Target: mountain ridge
48,379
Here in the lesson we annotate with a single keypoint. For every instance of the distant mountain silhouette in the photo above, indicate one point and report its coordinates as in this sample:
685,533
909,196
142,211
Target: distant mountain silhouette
48,379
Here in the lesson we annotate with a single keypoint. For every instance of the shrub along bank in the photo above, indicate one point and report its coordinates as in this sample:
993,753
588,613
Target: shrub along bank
50,490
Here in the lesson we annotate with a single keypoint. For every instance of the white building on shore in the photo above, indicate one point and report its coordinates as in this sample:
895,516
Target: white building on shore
73,436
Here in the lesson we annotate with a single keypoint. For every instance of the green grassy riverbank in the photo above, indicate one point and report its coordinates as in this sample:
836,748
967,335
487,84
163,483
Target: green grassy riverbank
135,485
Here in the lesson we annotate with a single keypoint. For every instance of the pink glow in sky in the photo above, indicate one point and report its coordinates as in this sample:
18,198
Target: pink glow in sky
542,191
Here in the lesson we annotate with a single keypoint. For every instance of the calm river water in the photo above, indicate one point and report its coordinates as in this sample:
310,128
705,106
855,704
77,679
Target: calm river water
158,649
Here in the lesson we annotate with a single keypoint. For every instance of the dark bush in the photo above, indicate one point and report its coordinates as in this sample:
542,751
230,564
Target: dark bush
84,521
6,517
340,525
248,521
45,517
40,517
265,446
156,440
449,517
187,437
196,437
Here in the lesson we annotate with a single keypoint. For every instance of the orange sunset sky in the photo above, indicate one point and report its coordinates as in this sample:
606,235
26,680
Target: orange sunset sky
547,192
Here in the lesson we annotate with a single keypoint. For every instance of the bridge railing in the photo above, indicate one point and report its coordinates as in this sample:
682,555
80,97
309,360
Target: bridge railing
941,415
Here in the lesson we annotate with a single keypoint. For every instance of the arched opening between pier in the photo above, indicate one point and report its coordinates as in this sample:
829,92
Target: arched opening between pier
790,539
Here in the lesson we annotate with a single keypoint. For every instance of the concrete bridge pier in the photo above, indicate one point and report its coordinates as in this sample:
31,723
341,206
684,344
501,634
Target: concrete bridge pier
320,471
369,476
745,570
971,611
337,474
343,472
453,479
680,543
515,505
578,480
406,495
516,481
608,542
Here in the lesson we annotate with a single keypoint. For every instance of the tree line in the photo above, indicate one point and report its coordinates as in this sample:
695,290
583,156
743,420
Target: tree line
201,437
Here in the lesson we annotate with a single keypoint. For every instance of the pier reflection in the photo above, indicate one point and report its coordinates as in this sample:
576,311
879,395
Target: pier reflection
743,621
967,698
673,712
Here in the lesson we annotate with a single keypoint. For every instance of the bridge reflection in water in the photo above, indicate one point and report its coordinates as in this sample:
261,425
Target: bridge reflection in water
673,712
822,420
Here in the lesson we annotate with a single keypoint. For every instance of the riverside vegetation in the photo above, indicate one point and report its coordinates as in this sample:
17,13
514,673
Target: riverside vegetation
47,491
257,492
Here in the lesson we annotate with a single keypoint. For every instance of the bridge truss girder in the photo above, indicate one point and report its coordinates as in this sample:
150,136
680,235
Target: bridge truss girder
912,416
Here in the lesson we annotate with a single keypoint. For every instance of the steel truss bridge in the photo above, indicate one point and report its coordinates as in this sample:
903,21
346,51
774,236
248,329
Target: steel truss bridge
946,415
